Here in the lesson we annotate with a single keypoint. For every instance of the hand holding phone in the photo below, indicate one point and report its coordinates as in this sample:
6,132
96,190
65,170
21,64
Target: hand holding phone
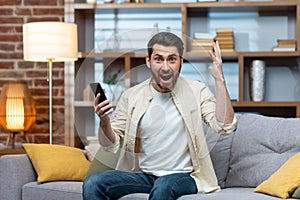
96,87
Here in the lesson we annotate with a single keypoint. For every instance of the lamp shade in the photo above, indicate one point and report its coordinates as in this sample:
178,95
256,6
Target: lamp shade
55,41
17,110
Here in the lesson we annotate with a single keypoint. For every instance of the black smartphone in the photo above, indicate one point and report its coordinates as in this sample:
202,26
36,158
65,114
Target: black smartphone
96,87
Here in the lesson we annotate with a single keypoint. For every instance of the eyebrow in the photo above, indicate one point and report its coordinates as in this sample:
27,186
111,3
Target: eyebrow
171,55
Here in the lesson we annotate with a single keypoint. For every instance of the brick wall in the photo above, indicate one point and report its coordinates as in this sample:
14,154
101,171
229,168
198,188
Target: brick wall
13,14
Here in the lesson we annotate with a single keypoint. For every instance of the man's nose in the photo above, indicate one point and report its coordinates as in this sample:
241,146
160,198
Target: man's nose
165,66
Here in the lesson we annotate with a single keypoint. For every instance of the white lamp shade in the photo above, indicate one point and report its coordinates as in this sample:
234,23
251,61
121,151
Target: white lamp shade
55,41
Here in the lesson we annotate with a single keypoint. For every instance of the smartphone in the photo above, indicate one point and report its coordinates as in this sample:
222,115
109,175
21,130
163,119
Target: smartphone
96,88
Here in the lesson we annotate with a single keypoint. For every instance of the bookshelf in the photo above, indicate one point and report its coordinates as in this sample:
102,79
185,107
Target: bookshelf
194,17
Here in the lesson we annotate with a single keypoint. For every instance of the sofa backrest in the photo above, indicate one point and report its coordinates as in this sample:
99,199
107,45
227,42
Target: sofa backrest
220,149
260,146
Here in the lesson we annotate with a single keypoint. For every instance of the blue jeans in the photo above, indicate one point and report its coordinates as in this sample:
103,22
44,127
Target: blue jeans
114,184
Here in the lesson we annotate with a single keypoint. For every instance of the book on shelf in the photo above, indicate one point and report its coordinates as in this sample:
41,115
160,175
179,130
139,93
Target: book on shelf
285,45
202,42
202,46
225,37
178,1
200,35
288,49
286,42
224,30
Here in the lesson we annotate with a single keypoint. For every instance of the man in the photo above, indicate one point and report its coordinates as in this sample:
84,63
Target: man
159,124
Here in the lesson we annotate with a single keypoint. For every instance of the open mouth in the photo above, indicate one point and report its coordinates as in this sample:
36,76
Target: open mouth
165,77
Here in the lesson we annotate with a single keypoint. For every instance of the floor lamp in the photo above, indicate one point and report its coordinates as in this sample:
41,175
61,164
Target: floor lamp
50,42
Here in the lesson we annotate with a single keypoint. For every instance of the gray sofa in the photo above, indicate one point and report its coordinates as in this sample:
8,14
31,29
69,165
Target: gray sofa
242,160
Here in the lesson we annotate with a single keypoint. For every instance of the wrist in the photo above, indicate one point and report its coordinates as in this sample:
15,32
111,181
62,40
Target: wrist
105,121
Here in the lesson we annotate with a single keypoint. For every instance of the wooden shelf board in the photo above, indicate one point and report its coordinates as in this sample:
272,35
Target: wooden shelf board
269,54
105,55
244,4
127,5
265,104
280,4
88,103
11,151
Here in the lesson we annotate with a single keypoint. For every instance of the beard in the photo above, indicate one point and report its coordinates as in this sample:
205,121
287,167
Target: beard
165,80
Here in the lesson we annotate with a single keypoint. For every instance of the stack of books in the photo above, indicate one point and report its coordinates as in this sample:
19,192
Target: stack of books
225,38
202,42
285,45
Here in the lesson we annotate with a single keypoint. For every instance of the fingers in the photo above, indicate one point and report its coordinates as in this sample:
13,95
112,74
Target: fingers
96,100
103,109
216,53
217,49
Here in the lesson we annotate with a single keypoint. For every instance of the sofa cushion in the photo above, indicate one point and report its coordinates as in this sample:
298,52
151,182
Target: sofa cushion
260,146
66,190
15,171
56,162
224,194
284,181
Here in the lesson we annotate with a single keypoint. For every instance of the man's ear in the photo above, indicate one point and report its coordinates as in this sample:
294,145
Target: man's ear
147,60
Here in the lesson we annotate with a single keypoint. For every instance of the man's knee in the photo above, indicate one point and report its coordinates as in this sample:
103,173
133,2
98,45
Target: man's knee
162,188
93,186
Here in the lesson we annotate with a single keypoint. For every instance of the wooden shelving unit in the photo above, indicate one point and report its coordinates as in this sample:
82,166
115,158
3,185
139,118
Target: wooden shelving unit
82,14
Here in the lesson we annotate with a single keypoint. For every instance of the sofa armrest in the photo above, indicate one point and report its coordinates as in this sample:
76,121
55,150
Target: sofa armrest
15,171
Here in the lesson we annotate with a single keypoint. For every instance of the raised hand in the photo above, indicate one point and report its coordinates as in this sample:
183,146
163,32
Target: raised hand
216,70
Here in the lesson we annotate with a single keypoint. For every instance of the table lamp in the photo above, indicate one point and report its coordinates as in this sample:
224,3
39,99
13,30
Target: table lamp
50,42
17,110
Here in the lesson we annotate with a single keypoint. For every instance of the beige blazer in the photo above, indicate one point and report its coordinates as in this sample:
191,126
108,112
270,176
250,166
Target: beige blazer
195,103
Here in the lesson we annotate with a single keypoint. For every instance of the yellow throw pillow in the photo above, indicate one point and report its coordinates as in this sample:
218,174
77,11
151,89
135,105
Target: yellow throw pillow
56,162
284,181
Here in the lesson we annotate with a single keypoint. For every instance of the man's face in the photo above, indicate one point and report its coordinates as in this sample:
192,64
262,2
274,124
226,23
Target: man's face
165,65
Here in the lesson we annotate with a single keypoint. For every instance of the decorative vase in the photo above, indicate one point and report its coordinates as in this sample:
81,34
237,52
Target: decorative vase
257,80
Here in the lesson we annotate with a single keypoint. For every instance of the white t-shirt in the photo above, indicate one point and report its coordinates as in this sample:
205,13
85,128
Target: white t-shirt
164,147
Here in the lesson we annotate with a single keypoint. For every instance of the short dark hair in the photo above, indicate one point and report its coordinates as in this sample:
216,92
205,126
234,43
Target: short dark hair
165,39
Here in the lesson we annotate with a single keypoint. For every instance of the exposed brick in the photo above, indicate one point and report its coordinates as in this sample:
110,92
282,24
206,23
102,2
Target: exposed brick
6,11
42,102
40,83
7,47
25,65
11,38
19,47
40,91
6,65
9,2
13,55
57,82
62,92
43,110
13,67
61,2
42,65
35,74
10,29
11,73
48,11
23,11
40,19
58,101
40,2
11,20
